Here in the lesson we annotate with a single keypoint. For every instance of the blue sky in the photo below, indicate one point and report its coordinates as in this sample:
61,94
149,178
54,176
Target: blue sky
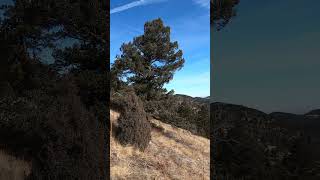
268,56
190,26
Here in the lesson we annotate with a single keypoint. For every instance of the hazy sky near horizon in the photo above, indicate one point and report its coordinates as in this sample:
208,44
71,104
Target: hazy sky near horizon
268,57
190,26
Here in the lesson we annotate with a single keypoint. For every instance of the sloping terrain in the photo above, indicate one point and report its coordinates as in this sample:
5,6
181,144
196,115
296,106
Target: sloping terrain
182,111
250,144
173,153
308,123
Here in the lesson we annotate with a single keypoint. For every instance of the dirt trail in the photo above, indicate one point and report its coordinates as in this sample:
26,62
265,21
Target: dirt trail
173,153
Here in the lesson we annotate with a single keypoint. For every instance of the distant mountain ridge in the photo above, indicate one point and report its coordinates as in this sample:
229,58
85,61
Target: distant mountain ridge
195,99
251,144
313,113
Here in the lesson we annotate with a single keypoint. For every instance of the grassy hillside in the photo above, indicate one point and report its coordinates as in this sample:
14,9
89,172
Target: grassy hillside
172,153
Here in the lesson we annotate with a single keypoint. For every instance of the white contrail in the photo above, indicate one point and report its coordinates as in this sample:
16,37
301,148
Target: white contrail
133,4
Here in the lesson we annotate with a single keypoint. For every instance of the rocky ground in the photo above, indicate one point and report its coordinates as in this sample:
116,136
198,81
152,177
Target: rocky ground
173,153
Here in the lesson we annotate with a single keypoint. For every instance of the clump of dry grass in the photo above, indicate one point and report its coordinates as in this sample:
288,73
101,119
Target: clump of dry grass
12,168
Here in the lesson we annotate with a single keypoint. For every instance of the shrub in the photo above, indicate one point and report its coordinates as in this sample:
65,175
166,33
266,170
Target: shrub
133,126
52,128
182,112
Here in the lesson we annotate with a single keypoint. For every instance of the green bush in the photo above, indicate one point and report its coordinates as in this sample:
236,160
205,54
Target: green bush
133,126
52,128
182,112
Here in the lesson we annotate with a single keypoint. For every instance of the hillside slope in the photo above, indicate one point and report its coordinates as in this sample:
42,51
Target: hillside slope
173,153
250,144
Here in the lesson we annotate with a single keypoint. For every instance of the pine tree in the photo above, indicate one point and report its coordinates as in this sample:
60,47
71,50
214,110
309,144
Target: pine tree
149,61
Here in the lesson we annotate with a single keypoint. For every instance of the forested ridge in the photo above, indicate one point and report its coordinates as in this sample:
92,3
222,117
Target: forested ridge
250,144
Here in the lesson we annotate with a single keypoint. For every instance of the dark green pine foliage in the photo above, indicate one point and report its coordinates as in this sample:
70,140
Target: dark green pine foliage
221,12
149,61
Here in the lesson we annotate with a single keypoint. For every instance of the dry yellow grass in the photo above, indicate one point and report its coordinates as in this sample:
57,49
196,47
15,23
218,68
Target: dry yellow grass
173,153
13,168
